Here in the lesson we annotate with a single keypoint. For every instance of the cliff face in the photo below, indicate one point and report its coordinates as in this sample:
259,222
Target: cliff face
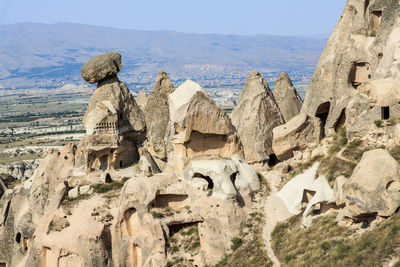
362,48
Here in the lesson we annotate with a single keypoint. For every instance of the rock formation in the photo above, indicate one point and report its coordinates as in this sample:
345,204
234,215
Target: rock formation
299,133
361,49
200,129
100,67
114,123
287,98
157,116
227,179
141,99
88,206
373,188
254,117
307,190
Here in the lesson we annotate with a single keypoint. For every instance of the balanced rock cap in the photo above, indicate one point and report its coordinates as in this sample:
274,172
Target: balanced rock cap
100,67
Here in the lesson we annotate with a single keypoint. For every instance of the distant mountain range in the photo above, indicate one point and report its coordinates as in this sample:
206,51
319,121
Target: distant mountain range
34,55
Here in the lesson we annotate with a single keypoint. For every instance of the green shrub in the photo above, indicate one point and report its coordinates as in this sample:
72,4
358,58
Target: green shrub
236,243
378,123
157,215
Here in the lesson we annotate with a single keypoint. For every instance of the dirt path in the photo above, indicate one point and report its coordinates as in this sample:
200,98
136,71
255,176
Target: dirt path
275,211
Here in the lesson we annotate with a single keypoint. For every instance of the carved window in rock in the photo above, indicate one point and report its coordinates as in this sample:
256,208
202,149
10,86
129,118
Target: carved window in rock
207,178
376,18
106,128
385,113
360,72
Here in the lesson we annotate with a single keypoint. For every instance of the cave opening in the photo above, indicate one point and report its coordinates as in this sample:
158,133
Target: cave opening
207,178
323,113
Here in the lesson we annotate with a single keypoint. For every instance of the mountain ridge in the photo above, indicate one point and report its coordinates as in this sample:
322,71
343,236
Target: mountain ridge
46,54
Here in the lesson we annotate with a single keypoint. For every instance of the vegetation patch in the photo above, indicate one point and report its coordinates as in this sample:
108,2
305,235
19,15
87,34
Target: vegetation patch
333,167
58,224
159,213
304,166
395,152
105,187
325,243
354,150
70,201
186,240
386,123
248,248
265,189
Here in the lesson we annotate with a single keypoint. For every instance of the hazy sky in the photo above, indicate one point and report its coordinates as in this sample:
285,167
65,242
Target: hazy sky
281,17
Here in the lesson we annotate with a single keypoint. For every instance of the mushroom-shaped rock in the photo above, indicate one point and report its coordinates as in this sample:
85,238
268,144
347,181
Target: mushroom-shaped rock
200,129
114,124
374,187
300,132
157,116
102,66
254,117
286,96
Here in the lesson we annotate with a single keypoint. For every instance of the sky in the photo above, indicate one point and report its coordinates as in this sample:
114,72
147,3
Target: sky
243,17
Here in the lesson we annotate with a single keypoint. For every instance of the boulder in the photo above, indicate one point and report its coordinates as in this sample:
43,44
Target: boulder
86,189
102,66
74,192
157,116
373,188
287,98
200,130
297,134
254,117
338,190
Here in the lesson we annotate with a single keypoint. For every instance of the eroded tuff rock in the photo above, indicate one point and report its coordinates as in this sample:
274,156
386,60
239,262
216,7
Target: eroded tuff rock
362,48
114,123
299,133
201,130
287,98
229,179
157,116
100,67
141,99
378,100
373,188
254,117
310,191
141,237
65,215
